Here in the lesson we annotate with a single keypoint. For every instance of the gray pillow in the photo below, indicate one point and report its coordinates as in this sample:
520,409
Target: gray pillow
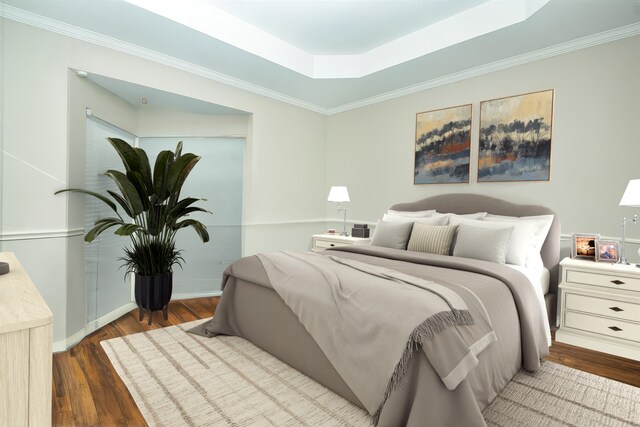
482,243
432,239
392,234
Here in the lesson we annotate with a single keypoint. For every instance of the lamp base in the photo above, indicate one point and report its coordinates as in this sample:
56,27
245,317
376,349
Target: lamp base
344,233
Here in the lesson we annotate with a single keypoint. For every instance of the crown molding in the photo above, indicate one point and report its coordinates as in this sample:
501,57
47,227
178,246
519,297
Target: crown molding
25,17
514,61
48,24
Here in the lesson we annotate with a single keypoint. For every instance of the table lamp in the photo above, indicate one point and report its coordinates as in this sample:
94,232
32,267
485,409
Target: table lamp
340,194
631,197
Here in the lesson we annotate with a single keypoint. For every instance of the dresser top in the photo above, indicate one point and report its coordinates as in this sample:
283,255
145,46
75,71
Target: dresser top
21,306
338,237
604,267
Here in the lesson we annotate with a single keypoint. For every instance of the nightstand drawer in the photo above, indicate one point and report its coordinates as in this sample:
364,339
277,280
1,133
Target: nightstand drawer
602,325
326,244
606,280
604,307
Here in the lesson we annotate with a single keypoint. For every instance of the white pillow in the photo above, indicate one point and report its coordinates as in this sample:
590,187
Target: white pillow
477,215
434,220
487,244
520,242
416,214
542,225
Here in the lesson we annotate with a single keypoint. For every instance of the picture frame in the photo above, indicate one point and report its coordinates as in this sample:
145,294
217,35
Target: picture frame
443,145
607,250
514,142
583,245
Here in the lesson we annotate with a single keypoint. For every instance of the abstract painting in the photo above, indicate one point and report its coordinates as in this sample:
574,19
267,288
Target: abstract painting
443,146
515,138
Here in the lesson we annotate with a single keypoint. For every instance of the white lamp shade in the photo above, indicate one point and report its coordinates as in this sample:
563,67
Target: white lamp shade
631,196
338,194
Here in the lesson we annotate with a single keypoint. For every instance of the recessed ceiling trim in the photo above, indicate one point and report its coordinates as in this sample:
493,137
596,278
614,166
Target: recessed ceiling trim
559,49
471,23
206,18
35,20
48,24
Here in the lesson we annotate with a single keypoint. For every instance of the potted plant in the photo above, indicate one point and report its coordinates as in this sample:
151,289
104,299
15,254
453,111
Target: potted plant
153,214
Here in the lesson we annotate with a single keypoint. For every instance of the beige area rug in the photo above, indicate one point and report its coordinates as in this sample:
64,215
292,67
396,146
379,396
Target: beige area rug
181,379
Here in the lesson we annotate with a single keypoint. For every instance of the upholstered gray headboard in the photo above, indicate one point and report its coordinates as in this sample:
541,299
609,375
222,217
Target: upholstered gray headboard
469,203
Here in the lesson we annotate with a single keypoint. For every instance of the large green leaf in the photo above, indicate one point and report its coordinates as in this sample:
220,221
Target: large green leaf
138,182
177,210
129,229
99,228
129,157
178,151
122,202
156,218
145,170
108,219
200,228
180,171
127,189
91,193
190,210
160,174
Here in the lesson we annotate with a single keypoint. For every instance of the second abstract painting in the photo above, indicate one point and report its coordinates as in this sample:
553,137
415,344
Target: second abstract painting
515,138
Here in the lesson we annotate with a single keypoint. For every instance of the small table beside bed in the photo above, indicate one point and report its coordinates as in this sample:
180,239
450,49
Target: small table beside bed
415,338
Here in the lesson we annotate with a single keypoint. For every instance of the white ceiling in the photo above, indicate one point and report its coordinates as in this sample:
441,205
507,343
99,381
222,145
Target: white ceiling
334,29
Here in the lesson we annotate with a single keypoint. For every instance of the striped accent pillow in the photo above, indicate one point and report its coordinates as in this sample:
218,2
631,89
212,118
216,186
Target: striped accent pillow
433,239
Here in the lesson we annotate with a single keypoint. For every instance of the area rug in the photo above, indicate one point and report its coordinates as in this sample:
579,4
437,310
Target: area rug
181,379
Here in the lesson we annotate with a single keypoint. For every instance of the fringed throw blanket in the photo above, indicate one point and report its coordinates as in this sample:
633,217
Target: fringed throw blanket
369,320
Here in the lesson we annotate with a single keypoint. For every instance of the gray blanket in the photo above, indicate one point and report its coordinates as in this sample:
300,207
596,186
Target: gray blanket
532,319
368,320
249,307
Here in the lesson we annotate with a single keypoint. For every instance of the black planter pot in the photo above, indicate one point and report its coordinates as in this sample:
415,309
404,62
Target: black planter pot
153,293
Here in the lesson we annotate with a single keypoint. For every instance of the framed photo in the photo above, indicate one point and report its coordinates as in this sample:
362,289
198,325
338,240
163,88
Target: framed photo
607,250
584,245
515,138
443,146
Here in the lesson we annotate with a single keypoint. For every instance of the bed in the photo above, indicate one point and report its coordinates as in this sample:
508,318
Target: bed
251,308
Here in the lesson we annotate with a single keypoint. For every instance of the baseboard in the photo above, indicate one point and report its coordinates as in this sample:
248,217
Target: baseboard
109,317
190,295
66,344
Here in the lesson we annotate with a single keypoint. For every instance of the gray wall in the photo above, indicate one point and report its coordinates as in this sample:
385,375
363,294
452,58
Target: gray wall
595,147
285,152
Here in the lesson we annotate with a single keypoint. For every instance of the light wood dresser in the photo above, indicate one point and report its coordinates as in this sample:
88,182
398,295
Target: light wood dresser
600,307
25,350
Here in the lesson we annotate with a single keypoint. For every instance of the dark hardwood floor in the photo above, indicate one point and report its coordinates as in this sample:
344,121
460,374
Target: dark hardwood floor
88,392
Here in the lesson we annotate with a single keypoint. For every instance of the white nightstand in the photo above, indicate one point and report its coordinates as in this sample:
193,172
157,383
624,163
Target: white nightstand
321,242
600,307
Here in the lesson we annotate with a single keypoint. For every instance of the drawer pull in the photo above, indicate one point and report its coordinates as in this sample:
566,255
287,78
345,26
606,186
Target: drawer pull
332,245
615,328
617,282
616,309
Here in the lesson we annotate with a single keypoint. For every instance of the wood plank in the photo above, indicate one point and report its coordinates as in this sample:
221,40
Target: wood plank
62,414
602,364
40,363
14,378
